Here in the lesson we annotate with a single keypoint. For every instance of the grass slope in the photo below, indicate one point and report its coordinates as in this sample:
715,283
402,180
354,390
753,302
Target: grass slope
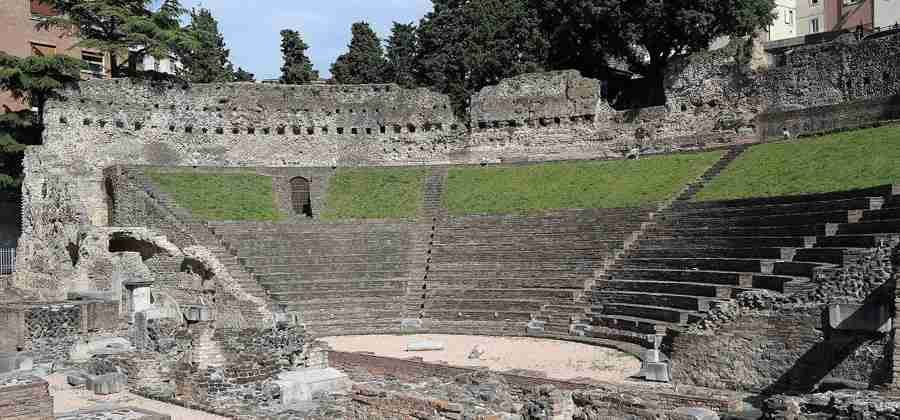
221,196
560,185
842,161
375,193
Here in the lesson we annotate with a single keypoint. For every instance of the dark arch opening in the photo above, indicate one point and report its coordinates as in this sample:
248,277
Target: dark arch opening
300,199
110,191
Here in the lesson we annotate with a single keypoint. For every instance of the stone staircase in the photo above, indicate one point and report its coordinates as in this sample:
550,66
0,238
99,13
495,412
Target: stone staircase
575,319
429,216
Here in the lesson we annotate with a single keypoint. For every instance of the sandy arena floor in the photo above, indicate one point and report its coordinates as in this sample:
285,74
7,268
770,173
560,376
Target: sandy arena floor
556,359
67,399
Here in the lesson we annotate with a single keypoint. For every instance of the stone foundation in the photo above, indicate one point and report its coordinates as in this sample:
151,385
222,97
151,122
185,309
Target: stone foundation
25,398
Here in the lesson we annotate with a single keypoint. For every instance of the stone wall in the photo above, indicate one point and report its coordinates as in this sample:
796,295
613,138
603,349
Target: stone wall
25,398
47,331
795,348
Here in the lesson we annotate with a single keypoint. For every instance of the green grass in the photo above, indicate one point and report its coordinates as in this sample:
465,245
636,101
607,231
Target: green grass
843,161
221,196
375,193
533,188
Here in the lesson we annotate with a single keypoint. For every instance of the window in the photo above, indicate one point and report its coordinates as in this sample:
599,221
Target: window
813,3
42,50
814,25
94,63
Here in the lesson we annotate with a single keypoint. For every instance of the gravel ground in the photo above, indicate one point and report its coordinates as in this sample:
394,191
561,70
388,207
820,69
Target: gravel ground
554,359
67,399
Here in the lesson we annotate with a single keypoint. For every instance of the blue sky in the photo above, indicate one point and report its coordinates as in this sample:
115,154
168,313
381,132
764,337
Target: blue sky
251,27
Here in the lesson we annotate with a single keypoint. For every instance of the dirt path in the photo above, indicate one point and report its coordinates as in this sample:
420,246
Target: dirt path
556,359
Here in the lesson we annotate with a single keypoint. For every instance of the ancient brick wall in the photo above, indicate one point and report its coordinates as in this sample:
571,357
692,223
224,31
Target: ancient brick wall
49,330
25,398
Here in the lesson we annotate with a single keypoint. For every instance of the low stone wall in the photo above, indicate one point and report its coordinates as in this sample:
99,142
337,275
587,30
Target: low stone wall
828,118
25,398
364,367
49,330
771,343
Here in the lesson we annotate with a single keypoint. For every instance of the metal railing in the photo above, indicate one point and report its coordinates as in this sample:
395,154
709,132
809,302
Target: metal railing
7,261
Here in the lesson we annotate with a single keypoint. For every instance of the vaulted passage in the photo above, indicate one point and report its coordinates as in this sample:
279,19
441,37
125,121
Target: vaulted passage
300,196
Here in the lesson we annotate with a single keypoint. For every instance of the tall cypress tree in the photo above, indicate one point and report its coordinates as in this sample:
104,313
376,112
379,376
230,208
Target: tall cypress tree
402,46
364,62
297,67
208,62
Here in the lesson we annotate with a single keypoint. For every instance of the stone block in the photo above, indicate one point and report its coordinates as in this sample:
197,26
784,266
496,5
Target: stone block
694,413
112,383
425,346
123,413
104,296
656,371
82,352
535,327
14,362
856,317
410,325
197,313
76,379
302,385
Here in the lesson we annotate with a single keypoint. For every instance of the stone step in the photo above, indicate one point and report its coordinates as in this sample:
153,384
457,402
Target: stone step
477,315
684,302
774,220
668,242
717,264
671,315
854,241
678,288
339,275
303,296
333,285
879,191
778,253
870,227
864,203
539,294
789,230
505,305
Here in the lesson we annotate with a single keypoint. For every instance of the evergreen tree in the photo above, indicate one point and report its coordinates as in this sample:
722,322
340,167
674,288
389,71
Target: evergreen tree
33,79
208,62
467,45
242,75
123,28
402,47
297,68
364,61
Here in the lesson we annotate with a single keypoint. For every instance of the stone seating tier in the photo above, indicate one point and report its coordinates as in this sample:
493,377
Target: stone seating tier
841,216
864,203
776,253
878,191
670,242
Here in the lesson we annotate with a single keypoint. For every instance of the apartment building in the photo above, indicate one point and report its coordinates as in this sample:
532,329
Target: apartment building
785,23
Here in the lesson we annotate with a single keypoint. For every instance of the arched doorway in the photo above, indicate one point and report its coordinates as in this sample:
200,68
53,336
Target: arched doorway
300,196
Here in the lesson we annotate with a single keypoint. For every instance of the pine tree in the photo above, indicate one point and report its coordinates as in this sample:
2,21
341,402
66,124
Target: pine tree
297,68
123,28
208,63
402,46
364,62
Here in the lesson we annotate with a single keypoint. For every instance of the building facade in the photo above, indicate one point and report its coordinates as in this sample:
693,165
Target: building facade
887,13
785,23
20,37
849,14
810,17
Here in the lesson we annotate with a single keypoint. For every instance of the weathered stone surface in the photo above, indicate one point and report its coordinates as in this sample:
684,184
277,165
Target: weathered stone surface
860,317
10,362
425,346
304,384
83,351
108,384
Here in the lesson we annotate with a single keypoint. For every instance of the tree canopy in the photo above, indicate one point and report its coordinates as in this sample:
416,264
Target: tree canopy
123,28
297,67
645,33
466,45
208,61
364,61
401,67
